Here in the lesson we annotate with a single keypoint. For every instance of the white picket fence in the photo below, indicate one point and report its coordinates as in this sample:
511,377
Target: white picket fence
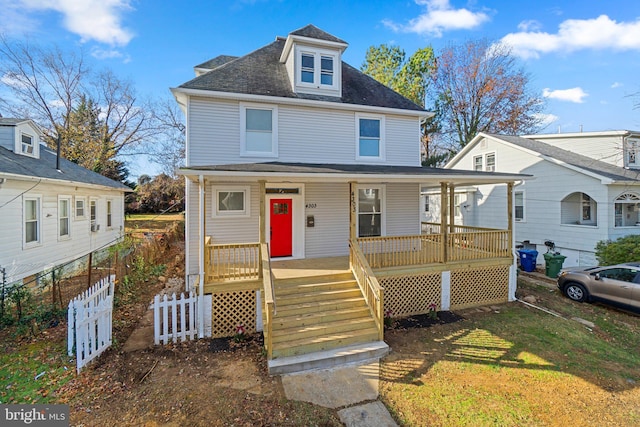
90,318
174,318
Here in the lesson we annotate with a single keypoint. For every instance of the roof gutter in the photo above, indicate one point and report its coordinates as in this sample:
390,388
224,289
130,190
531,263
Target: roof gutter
59,181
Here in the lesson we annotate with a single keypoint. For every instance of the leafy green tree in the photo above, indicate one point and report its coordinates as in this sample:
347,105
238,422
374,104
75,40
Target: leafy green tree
624,249
411,78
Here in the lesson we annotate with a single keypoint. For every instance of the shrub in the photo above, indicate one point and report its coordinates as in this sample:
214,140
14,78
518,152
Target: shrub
624,249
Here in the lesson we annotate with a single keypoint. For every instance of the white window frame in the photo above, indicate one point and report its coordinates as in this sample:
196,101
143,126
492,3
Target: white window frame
31,145
243,130
84,208
93,217
487,168
67,199
478,166
426,203
317,55
382,151
515,205
217,189
109,210
632,152
38,221
383,203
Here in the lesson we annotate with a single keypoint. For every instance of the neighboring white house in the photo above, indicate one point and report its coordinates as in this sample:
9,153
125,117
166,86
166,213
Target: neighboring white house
586,188
50,216
291,147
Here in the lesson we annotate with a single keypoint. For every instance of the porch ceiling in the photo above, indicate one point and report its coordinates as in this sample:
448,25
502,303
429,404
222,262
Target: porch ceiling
306,172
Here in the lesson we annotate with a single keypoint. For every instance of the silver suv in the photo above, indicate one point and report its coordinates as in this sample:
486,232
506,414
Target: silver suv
618,284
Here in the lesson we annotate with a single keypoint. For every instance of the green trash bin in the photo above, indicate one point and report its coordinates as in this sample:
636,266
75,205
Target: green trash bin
553,264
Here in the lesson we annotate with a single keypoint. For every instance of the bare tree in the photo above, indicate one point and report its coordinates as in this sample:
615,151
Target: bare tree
65,97
479,87
169,148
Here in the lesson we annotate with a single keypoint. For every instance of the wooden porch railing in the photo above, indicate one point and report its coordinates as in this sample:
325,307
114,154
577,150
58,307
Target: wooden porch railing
397,251
269,298
236,261
434,228
464,246
371,289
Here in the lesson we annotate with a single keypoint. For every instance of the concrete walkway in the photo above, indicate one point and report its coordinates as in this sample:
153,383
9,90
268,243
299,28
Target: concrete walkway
343,386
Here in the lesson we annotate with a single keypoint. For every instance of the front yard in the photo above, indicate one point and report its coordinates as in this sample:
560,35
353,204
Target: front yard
509,365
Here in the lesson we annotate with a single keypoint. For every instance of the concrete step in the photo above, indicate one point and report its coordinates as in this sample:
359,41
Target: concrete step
329,358
282,335
324,342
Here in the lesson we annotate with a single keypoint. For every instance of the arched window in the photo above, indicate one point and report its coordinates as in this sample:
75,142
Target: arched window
626,210
579,209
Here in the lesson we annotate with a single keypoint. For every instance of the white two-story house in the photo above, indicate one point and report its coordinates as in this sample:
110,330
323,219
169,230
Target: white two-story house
586,188
299,164
52,211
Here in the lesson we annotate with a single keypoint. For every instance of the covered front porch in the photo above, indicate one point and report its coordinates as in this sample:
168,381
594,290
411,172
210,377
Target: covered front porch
318,302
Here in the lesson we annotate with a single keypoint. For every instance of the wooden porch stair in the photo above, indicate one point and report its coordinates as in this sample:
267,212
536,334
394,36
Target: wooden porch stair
317,314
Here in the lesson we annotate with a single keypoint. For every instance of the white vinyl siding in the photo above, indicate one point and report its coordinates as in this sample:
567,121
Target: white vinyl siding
402,209
330,234
608,149
305,135
22,260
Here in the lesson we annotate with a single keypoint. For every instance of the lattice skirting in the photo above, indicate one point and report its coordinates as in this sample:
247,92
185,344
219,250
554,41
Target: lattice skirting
230,309
411,294
479,286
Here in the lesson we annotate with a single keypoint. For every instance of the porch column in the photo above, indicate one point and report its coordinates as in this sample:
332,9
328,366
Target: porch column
262,221
201,243
452,207
510,208
443,221
352,210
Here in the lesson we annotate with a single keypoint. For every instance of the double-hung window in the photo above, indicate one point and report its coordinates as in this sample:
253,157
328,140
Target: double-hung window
370,138
79,208
519,205
231,201
93,215
317,68
490,162
109,216
31,220
259,130
477,163
64,217
27,144
370,215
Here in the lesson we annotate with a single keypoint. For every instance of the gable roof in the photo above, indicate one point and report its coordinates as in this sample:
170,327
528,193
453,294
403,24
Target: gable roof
261,73
45,168
587,165
314,32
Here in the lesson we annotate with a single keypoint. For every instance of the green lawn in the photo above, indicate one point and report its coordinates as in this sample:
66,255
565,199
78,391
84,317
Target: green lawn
518,366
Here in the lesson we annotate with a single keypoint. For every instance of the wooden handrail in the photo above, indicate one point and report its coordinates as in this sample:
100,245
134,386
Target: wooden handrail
269,297
231,261
371,290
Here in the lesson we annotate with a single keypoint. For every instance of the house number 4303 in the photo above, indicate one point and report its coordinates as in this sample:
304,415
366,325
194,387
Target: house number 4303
311,205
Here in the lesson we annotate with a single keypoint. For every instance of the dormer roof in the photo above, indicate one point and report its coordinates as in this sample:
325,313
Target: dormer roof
313,32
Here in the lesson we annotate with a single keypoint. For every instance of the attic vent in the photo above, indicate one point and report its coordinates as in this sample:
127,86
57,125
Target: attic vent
483,143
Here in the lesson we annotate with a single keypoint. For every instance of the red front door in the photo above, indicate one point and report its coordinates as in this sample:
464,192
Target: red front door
281,227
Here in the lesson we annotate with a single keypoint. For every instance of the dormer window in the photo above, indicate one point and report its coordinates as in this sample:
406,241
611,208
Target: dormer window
317,71
632,154
27,144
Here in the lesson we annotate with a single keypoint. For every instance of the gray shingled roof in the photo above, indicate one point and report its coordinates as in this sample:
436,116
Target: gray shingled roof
45,167
216,62
589,164
6,121
261,73
314,32
321,168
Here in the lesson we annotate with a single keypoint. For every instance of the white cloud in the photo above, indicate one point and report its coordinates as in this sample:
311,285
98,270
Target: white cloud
575,94
616,85
98,20
11,80
531,25
439,17
576,34
546,119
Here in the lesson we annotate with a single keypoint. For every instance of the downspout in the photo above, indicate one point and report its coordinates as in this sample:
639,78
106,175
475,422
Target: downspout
513,270
201,260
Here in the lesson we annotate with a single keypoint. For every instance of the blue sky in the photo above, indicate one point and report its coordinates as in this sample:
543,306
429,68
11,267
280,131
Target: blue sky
583,56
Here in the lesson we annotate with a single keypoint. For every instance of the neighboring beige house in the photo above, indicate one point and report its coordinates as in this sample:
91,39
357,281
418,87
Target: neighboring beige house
303,180
51,214
586,188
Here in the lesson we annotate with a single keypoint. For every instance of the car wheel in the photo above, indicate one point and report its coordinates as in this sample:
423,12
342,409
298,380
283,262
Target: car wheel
576,292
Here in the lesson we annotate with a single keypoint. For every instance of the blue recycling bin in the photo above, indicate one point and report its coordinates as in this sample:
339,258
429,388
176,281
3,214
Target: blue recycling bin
528,259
